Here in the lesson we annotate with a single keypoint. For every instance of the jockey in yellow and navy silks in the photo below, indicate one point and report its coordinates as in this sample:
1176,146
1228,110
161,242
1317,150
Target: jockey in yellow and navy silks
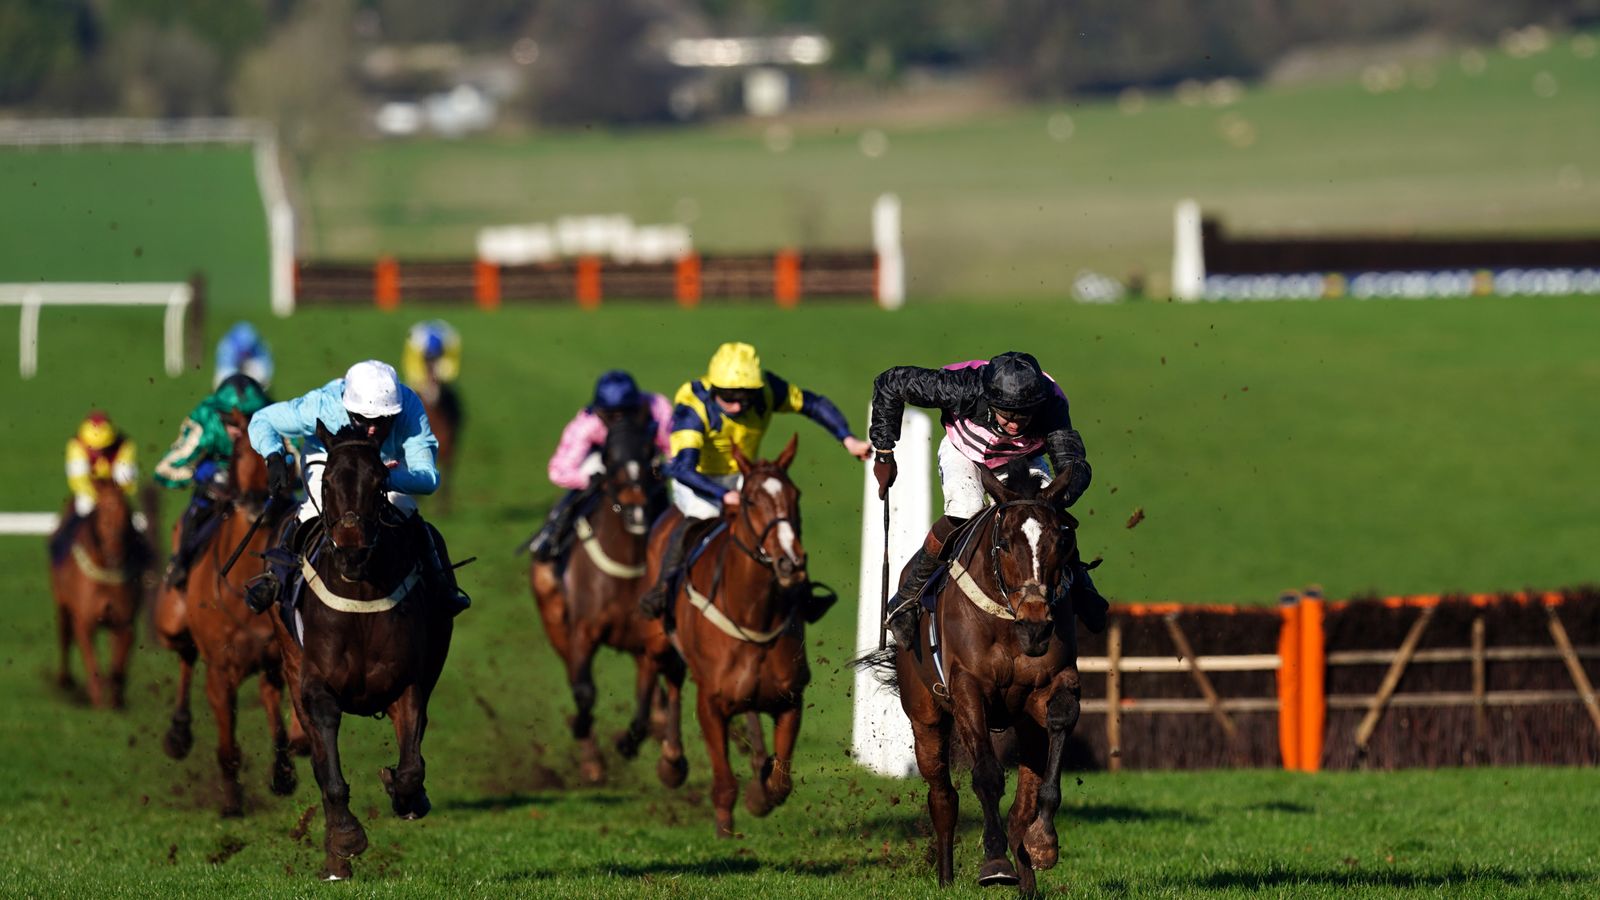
731,406
99,451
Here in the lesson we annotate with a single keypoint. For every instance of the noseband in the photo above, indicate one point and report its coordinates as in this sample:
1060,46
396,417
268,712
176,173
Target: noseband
994,544
759,552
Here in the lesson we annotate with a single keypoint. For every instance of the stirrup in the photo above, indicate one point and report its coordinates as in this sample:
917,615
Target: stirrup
262,592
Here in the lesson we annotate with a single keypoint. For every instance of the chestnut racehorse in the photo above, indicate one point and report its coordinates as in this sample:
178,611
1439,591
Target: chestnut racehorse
740,612
207,619
374,642
98,585
1000,654
594,603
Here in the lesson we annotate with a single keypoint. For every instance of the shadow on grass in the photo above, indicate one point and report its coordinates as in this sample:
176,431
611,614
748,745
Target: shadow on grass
730,865
1280,806
1110,812
518,799
1455,878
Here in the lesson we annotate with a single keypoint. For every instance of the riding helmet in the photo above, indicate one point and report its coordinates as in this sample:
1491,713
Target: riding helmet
616,390
1014,381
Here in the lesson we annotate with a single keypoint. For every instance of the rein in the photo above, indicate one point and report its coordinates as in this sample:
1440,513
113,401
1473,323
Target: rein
706,603
961,574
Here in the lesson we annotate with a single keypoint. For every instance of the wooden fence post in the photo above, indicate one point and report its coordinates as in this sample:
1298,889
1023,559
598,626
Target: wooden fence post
386,283
1289,680
588,282
1313,680
486,284
786,278
1186,652
1574,667
1114,696
1480,681
1391,679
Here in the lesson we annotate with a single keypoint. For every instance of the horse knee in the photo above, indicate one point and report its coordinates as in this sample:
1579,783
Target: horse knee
583,693
1063,710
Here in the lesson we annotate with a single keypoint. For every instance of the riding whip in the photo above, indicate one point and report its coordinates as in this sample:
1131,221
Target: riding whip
248,535
883,602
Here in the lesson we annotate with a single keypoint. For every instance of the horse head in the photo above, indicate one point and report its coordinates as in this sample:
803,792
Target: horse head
1026,557
353,493
632,482
113,519
247,470
769,515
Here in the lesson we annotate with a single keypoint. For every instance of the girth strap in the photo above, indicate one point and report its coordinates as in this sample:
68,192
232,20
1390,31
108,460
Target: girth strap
729,627
352,605
969,587
597,554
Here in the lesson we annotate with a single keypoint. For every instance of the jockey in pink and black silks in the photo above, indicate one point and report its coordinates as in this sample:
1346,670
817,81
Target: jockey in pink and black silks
577,464
992,412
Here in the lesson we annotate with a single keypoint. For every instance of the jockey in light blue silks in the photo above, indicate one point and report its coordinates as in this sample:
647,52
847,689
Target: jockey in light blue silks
368,397
243,351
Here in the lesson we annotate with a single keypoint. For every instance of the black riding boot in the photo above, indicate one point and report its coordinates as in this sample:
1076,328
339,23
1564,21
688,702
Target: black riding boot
200,509
654,601
437,575
266,589
550,542
904,605
1087,603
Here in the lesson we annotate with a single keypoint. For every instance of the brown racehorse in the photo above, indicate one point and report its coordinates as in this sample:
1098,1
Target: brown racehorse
740,613
98,585
208,620
373,643
594,603
443,405
1003,659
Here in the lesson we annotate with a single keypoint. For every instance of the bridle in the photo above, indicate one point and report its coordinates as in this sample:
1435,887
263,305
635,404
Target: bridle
759,552
994,513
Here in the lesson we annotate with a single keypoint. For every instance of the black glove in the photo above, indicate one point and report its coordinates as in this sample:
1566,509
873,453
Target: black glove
279,481
884,469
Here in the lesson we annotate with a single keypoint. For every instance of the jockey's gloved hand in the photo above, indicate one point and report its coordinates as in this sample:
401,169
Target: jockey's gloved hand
885,470
279,481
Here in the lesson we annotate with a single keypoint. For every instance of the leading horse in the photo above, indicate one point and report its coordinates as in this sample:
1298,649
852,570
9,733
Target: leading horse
98,585
740,611
997,652
365,641
208,620
594,602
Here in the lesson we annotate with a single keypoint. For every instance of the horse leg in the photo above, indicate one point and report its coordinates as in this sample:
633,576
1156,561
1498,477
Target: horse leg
83,633
121,650
933,761
580,675
1025,804
773,782
1060,717
755,741
299,739
404,782
271,688
345,837
646,676
673,767
179,739
222,691
64,632
724,787
988,779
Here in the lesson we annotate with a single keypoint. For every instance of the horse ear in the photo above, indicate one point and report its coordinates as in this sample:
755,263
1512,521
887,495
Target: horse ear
740,460
322,434
1058,485
787,456
992,483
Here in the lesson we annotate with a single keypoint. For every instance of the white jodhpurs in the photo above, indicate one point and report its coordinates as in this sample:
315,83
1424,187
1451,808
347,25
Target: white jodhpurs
963,490
313,465
694,506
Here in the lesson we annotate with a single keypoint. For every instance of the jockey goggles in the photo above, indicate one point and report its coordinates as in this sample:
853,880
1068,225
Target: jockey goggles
365,422
1020,417
745,396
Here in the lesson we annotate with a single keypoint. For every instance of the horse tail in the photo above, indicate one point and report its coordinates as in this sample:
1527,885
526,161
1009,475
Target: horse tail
881,664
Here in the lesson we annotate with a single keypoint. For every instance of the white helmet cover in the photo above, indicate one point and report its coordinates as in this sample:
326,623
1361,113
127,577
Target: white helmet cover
371,389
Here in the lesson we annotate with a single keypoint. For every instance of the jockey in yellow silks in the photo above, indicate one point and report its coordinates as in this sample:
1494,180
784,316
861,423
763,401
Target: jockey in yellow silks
99,451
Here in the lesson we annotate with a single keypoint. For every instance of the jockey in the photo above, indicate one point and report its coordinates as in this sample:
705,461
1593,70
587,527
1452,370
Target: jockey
243,350
432,357
369,397
577,460
731,406
992,412
98,452
200,455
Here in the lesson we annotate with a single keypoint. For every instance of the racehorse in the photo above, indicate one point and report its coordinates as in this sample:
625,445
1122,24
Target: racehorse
594,602
998,654
372,642
207,619
740,611
98,585
443,406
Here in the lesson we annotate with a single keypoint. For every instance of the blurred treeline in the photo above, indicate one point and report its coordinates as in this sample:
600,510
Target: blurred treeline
604,60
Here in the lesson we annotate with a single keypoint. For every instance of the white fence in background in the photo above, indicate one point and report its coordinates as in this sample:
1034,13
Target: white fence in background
26,523
881,735
175,296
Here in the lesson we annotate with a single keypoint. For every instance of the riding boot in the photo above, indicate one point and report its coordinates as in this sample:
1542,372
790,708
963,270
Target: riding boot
267,588
654,601
437,575
61,539
1087,603
549,543
906,603
189,525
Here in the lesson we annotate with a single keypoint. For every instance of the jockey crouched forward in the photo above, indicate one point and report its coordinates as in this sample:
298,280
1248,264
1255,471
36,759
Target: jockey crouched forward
200,456
731,406
992,412
576,465
370,398
98,452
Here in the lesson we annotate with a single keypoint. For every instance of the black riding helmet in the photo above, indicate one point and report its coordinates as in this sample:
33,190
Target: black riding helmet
1014,382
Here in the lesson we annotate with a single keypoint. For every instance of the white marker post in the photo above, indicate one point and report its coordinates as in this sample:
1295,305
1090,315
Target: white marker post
1188,253
881,738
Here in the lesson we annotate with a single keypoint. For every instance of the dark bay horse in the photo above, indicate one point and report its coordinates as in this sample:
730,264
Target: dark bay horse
207,619
594,602
98,585
740,613
1005,657
373,643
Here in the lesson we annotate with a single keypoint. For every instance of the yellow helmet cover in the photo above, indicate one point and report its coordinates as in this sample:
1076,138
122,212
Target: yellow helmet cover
735,366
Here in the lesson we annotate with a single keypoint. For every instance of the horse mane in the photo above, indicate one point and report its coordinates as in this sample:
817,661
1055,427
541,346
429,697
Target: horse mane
1018,476
349,434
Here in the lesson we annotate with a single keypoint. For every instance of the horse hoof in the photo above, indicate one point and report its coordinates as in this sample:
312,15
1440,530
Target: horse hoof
1042,846
233,810
336,870
345,845
626,746
672,772
997,872
284,782
756,801
178,742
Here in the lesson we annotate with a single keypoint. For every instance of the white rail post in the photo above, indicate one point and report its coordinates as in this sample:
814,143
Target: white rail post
891,258
881,735
1188,253
28,336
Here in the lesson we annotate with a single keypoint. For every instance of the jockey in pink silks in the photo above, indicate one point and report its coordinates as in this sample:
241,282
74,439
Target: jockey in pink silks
577,466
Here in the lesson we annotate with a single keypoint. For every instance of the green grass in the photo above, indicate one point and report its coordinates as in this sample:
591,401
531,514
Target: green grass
1391,446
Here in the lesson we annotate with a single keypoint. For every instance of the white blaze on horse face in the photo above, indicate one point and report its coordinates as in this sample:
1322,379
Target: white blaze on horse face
633,470
786,540
1034,531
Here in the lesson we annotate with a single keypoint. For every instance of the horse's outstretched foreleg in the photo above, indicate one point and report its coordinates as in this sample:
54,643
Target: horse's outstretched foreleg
580,675
933,761
179,739
222,692
121,650
64,633
271,686
1060,718
83,634
673,767
988,779
774,776
345,837
405,781
724,787
646,677
1032,745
